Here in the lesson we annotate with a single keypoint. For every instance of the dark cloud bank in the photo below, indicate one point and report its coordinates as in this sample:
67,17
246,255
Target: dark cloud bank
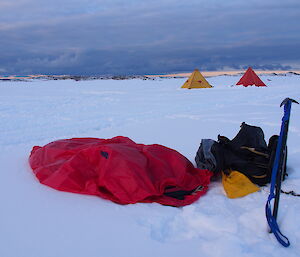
138,38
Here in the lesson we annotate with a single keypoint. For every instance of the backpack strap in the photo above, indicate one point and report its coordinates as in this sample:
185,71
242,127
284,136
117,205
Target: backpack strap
253,150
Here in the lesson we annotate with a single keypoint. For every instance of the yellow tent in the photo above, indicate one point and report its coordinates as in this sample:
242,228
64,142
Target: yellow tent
196,80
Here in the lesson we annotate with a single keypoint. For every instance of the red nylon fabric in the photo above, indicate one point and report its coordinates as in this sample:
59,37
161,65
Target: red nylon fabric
117,169
250,78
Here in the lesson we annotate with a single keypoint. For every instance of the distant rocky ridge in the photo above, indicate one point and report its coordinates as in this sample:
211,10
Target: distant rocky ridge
231,73
143,77
67,77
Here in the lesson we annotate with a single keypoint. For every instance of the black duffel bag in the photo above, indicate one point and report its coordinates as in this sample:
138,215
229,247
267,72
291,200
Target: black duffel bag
247,153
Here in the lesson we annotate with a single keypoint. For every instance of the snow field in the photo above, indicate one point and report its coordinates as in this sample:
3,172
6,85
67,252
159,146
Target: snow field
36,221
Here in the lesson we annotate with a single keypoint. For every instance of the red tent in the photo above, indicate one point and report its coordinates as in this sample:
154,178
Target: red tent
120,170
250,78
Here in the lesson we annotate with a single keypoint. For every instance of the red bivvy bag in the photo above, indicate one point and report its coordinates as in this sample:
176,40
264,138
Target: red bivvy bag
119,170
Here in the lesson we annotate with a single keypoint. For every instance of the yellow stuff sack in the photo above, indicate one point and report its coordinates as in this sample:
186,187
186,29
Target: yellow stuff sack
237,184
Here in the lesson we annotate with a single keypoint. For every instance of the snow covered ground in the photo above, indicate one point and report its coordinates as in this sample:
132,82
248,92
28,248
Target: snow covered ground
37,221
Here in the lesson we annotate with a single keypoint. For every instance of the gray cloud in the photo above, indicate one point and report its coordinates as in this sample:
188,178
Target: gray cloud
120,37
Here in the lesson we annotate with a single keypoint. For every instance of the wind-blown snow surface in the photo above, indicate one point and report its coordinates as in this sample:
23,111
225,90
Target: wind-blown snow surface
37,221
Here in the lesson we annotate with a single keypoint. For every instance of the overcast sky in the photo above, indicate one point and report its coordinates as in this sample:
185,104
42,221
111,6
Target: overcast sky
92,37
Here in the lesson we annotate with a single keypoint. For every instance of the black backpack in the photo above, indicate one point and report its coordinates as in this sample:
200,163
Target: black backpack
247,153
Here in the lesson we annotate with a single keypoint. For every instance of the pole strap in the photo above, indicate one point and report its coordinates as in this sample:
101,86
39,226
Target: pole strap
282,239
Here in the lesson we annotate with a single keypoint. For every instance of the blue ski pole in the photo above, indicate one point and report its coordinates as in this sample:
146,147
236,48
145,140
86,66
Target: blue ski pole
277,174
